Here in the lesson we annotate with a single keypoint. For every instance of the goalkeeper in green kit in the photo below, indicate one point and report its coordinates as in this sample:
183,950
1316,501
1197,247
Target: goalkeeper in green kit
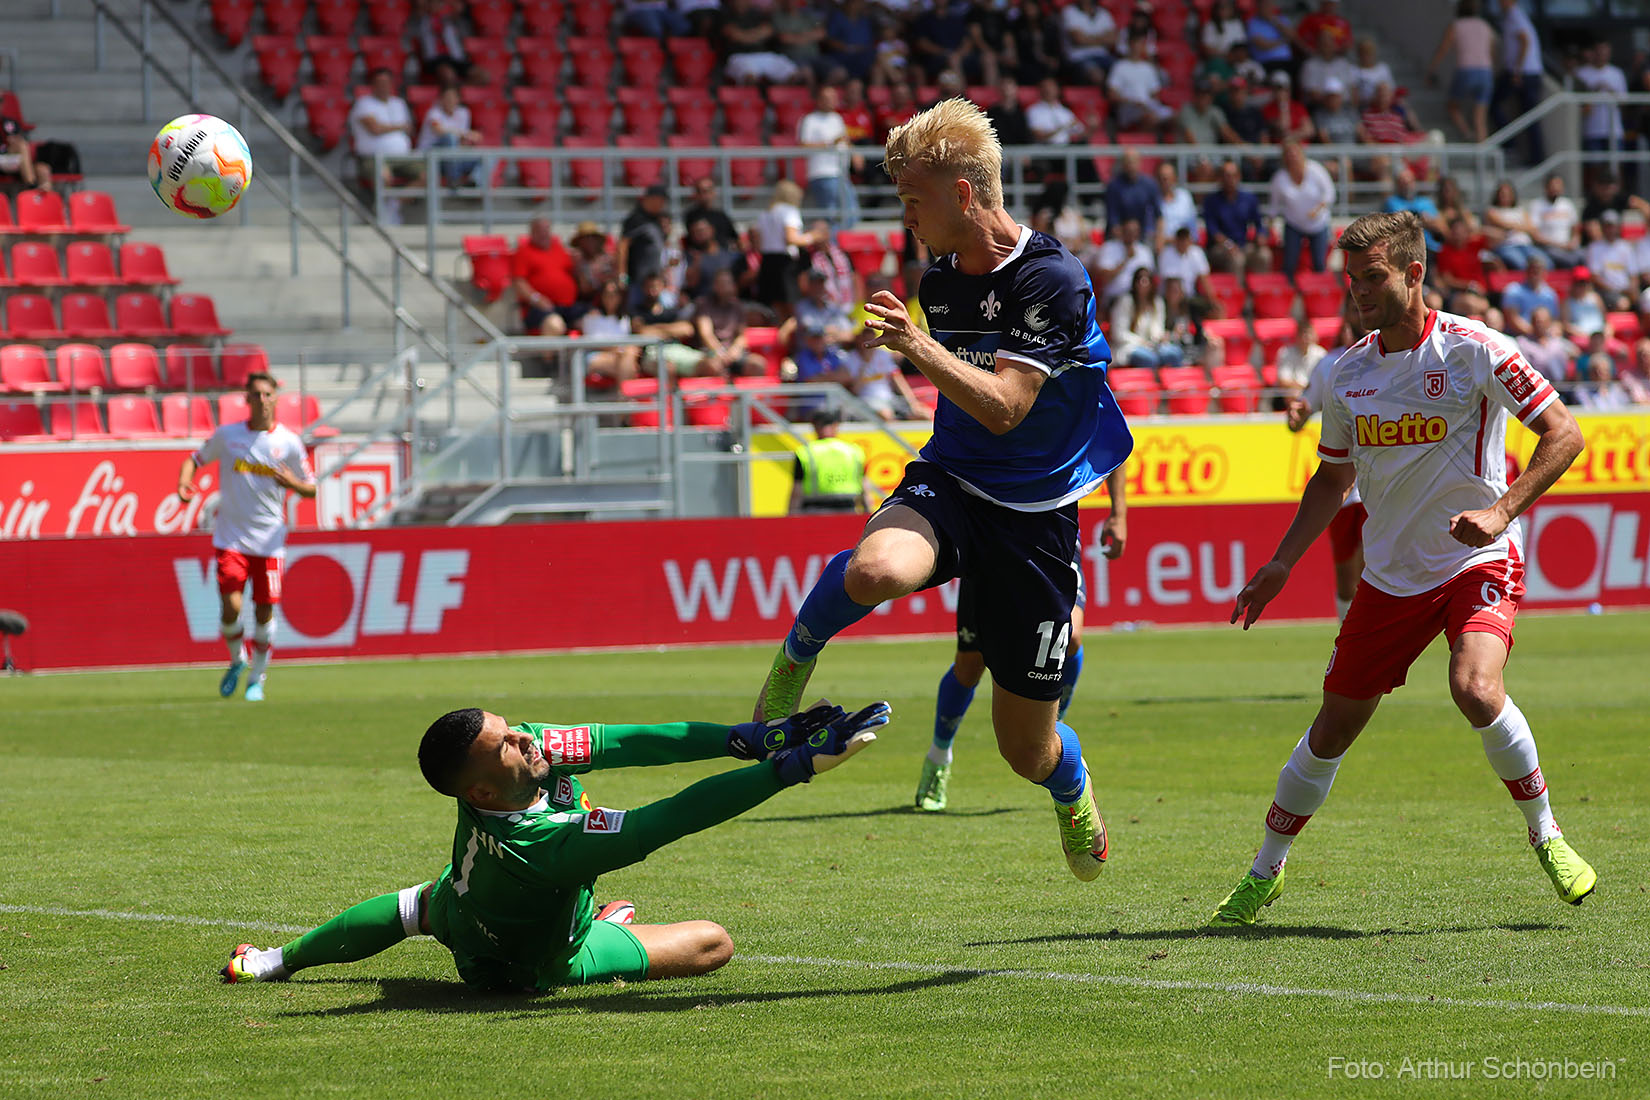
515,906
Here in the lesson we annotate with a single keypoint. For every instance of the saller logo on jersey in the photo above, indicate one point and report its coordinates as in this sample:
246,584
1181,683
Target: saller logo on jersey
1406,431
567,746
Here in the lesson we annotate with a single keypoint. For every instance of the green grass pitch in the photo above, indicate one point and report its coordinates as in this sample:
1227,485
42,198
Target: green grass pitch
148,826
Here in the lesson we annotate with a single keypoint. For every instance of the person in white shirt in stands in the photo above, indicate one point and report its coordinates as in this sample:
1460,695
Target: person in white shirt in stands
1326,65
1090,40
446,125
779,240
1135,84
1556,224
1297,361
259,462
1181,260
1050,121
878,381
828,186
1613,264
1370,72
1175,205
1302,194
1117,262
1601,128
380,123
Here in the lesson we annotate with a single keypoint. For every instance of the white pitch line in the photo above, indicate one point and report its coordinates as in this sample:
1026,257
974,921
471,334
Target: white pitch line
1257,989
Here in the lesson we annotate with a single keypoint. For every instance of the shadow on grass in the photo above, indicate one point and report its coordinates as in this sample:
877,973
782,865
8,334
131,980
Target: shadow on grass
886,811
1273,697
428,995
1269,932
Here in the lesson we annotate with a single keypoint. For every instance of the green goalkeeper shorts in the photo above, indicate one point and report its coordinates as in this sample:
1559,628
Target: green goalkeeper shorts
610,951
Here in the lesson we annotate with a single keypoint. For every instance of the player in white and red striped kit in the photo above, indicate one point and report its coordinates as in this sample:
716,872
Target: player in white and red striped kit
1417,412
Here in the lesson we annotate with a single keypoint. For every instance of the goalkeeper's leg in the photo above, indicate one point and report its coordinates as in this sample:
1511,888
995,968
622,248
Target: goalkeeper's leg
360,931
637,952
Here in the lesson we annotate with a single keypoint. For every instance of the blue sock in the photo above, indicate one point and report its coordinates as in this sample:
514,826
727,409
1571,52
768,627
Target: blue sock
949,707
827,610
1065,782
1069,672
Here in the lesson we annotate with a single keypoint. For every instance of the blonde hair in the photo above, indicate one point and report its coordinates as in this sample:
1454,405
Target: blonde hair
953,138
786,191
1401,232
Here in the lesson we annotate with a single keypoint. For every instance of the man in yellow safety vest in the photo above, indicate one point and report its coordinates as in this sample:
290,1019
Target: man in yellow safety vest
829,472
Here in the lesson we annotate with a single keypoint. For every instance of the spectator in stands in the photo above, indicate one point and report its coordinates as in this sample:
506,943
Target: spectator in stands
437,41
1327,65
707,207
1583,308
1473,42
1007,117
1176,209
1244,66
1222,29
830,263
892,66
1302,194
1053,123
17,161
1138,26
1605,195
1544,345
608,320
1597,370
799,31
902,107
858,121
1271,38
1521,76
828,185
1183,263
1089,41
1247,121
1507,218
706,255
1216,70
1135,85
876,379
380,123
1119,258
1035,45
1139,336
1232,218
1383,122
1614,267
1460,272
719,318
447,126
1369,73
1203,122
1635,373
851,38
1130,196
779,240
1183,324
947,40
1286,117
594,263
654,19
642,238
752,45
815,306
1053,213
1601,128
670,322
1405,197
817,357
1297,360
1520,300
544,282
1327,20
1336,123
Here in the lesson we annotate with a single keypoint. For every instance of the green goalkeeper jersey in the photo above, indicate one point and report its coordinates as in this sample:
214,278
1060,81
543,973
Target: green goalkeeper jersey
516,900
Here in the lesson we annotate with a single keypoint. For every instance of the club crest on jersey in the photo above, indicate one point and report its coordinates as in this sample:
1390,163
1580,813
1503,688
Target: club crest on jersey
602,820
564,791
1435,383
567,746
990,306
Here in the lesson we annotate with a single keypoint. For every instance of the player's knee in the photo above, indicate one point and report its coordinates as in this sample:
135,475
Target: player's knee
875,577
1029,759
713,946
1478,693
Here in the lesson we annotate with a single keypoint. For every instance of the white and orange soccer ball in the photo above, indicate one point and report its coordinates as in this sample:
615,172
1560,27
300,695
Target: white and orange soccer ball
199,165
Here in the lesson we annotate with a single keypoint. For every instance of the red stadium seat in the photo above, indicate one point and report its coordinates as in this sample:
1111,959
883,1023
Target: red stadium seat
388,16
139,315
1234,333
1328,330
135,367
491,18
702,410
183,416
865,250
240,360
1239,387
744,172
337,16
80,367
641,172
34,264
786,116
195,315
492,54
41,212
232,19
542,18
538,112
327,112
133,418
592,18
1187,389
279,60
7,223
694,109
1321,292
690,170
592,60
489,111
1272,294
984,96
1136,390
694,60
24,368
299,412
232,407
189,367
1226,289
590,173
763,340
541,61
381,51
284,16
643,112
489,264
1623,326
592,111
644,62
86,317
20,420
536,173
91,263
332,59
93,212
1273,333
78,420
642,389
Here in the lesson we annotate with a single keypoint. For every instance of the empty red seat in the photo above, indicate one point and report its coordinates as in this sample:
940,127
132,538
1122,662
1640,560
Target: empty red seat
1226,289
388,16
694,110
300,412
76,420
690,170
489,258
240,360
1272,294
189,367
694,60
24,368
642,389
1233,332
80,367
592,18
19,420
232,407
232,19
41,212
592,112
533,172
1272,333
1239,387
1328,330
184,416
279,60
492,54
491,18
284,16
135,367
589,173
336,16
133,418
643,112
644,62
639,171
381,51
86,317
1135,388
143,264
1187,389
1321,292
331,59
1623,326
592,60
91,263
326,109
195,315
541,60
701,409
541,17
865,251
34,264
139,315
744,171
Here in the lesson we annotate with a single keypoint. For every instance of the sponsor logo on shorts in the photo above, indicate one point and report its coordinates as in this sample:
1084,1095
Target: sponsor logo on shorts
568,745
564,791
603,820
1435,383
921,491
1042,675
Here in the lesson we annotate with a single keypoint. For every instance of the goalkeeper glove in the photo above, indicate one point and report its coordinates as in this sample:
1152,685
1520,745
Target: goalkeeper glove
830,745
760,740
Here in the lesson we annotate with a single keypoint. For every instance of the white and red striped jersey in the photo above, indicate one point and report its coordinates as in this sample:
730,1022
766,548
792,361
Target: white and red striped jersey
1426,429
251,503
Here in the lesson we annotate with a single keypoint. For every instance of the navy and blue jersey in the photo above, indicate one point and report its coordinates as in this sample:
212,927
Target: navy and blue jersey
1036,307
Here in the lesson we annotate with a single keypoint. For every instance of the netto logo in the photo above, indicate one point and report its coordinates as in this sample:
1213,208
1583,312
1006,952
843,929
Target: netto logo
1408,430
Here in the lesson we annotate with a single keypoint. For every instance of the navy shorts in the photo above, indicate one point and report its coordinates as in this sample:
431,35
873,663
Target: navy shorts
968,623
1016,571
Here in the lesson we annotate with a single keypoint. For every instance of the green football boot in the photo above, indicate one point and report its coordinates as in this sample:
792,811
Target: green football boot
1083,833
931,787
1244,903
782,690
1573,877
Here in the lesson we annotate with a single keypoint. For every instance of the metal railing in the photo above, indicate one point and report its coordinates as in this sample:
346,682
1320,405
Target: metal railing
1570,106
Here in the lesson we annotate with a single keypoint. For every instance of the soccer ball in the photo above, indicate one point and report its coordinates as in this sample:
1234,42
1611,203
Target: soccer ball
199,165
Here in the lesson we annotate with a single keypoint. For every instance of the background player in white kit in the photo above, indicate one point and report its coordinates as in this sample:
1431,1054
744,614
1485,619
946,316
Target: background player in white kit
1418,413
260,462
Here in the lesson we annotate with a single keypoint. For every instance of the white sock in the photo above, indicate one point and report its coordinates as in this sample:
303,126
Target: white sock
407,901
262,635
939,756
1510,746
1303,784
1341,605
266,963
235,638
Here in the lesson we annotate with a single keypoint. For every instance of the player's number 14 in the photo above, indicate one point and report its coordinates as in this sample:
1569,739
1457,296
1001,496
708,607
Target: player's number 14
1051,647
